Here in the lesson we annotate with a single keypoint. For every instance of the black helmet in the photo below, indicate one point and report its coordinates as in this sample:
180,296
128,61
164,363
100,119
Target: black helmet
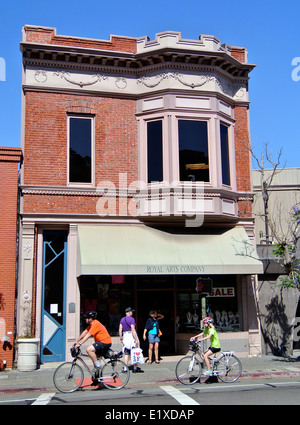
89,314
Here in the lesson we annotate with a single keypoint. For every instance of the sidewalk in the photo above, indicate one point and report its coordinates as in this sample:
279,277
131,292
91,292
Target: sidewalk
264,367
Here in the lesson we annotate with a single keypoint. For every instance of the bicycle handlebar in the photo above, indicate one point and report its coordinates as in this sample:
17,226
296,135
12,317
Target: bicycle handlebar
75,352
194,345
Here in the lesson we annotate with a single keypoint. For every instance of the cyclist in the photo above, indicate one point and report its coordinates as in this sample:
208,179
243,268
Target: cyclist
101,336
209,332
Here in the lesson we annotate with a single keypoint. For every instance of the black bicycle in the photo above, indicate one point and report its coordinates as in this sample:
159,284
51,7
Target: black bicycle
113,374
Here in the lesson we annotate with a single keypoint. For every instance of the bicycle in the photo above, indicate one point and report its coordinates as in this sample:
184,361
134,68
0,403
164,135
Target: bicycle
226,366
113,374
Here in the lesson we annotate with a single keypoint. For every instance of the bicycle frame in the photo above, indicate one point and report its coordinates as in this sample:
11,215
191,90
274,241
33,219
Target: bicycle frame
101,358
216,358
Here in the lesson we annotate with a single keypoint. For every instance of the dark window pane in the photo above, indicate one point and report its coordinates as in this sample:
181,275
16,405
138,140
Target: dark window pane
155,151
225,155
193,151
80,150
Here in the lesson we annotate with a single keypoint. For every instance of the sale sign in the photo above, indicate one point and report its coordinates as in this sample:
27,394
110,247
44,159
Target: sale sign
222,292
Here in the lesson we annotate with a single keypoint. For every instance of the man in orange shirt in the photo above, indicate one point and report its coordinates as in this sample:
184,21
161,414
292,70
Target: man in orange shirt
101,336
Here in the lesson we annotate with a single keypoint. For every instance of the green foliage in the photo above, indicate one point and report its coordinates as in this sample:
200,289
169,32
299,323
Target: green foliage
286,251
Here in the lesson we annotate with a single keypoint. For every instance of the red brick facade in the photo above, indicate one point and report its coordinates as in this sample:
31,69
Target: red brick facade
116,149
46,133
116,139
9,161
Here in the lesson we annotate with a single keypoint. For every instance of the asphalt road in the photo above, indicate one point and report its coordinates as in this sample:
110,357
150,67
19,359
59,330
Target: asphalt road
164,400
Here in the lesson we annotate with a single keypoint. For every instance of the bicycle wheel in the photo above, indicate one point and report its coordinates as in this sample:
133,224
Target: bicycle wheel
115,374
229,368
188,370
68,377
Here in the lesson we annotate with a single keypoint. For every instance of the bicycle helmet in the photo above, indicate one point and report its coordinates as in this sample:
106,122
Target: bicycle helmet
89,314
207,320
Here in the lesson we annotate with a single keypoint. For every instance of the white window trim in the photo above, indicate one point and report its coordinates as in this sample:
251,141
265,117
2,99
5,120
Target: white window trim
231,154
143,156
188,117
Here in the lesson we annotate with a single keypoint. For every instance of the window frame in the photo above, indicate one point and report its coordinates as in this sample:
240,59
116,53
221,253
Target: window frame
222,123
92,120
162,147
193,119
143,151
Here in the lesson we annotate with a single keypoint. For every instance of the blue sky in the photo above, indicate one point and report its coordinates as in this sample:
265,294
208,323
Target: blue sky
268,29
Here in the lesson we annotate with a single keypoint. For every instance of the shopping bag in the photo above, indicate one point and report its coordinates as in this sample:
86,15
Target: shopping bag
137,356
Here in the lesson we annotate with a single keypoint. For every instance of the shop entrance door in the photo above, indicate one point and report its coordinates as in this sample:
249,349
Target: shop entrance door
54,296
162,301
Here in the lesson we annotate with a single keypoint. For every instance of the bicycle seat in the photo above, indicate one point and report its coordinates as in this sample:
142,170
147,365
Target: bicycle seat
109,354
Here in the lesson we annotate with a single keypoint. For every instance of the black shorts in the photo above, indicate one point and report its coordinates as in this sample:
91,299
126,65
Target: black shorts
214,350
101,348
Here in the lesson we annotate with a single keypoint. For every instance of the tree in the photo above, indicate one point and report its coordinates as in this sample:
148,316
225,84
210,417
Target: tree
286,239
266,180
286,251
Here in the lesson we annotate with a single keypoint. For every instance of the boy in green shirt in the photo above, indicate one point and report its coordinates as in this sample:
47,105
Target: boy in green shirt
215,346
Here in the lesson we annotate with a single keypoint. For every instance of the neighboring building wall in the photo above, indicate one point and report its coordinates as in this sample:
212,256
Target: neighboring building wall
9,162
283,194
277,308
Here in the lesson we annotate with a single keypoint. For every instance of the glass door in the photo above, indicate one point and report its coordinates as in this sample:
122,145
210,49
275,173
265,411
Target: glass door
54,296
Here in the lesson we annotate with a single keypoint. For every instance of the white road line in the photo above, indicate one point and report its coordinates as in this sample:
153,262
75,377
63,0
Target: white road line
178,395
43,399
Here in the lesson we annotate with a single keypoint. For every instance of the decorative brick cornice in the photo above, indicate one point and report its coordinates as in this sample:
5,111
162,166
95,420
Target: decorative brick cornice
179,53
136,193
9,154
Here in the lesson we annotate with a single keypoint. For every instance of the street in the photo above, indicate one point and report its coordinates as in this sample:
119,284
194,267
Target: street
164,400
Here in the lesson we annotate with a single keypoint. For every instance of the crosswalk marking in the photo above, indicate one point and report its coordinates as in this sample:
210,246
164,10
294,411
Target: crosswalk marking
178,395
43,399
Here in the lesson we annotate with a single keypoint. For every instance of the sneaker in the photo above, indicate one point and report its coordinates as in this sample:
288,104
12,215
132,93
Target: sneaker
124,370
96,372
137,370
208,373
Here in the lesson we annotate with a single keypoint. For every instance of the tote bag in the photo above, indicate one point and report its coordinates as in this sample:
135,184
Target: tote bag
137,356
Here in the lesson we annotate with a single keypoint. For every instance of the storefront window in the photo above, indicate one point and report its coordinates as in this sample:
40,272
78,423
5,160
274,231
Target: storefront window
221,304
108,296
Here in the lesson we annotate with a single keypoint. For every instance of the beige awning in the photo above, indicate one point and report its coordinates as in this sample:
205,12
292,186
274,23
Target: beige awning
142,250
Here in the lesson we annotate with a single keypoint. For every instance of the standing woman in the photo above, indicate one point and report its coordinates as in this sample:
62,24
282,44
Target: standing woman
152,326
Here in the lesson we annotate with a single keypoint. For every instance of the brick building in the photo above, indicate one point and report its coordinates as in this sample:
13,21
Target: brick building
136,181
9,169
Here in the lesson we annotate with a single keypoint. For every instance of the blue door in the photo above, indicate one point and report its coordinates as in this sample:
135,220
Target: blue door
54,296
